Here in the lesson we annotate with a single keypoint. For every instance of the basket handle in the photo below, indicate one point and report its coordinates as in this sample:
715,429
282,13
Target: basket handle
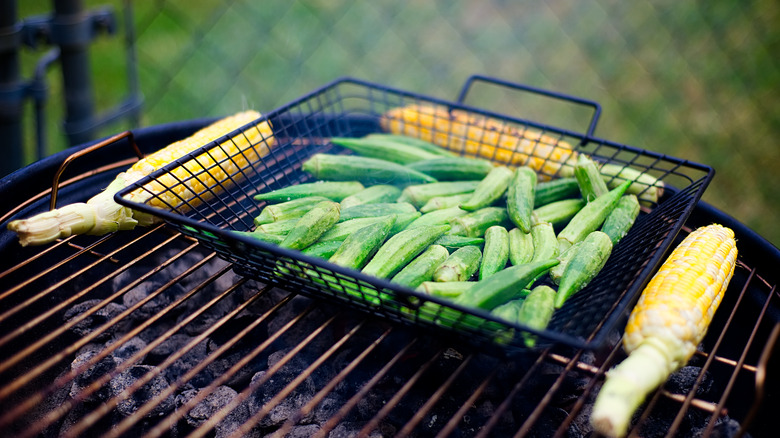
551,94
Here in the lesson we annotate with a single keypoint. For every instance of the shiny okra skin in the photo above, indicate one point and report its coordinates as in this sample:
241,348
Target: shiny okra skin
461,265
589,179
361,245
400,249
558,213
379,193
496,251
586,262
333,190
521,247
622,218
292,209
454,168
422,267
374,210
520,197
537,311
383,148
475,223
312,225
366,170
419,194
590,217
490,189
503,286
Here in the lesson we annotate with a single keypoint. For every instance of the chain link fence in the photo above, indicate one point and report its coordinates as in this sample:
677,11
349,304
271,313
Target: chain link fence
697,80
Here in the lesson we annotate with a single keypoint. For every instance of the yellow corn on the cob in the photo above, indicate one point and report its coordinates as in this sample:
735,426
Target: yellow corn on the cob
202,175
503,143
489,138
667,324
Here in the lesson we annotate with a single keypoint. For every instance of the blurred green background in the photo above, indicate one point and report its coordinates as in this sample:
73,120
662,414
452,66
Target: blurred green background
696,80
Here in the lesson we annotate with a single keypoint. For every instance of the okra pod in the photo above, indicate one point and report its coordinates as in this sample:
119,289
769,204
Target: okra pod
509,311
312,225
544,241
421,268
380,193
454,168
490,189
461,265
400,249
453,242
622,218
476,222
361,245
496,252
333,190
558,213
647,187
585,264
446,289
590,217
521,247
369,171
442,202
589,179
520,197
280,228
263,237
437,217
374,210
342,230
383,148
292,209
419,194
537,311
323,250
503,286
557,271
555,190
413,141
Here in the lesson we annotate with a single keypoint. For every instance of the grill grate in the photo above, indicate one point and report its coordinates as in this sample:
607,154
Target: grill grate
270,362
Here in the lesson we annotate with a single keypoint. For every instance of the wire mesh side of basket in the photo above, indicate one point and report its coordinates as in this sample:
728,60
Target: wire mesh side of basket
355,108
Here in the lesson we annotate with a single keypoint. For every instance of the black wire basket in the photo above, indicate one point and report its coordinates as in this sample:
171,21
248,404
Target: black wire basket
350,107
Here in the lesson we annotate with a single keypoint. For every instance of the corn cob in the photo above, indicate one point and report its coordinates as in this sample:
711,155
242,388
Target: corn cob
500,142
203,175
479,136
668,322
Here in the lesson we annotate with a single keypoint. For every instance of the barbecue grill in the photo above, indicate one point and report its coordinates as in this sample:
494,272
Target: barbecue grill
153,332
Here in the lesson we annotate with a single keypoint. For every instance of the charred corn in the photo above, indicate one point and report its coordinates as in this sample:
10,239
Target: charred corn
668,322
203,175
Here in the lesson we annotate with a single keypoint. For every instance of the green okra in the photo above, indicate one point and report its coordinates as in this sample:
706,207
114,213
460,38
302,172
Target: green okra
536,311
590,217
520,197
622,218
383,148
503,286
413,141
421,268
446,289
261,236
380,193
476,222
280,228
521,247
496,251
490,189
361,245
374,210
647,187
453,242
509,311
544,242
333,190
584,265
312,225
368,171
292,209
442,202
401,248
461,265
437,217
323,250
558,213
454,168
419,194
342,230
556,190
557,271
589,179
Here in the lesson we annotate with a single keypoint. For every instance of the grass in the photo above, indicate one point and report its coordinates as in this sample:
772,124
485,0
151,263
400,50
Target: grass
690,80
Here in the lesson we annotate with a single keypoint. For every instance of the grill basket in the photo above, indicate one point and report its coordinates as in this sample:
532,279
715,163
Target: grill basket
351,107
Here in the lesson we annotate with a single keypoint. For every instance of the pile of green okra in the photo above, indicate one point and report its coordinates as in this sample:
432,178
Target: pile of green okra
482,235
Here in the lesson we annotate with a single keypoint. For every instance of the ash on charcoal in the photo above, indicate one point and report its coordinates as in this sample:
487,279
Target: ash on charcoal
95,320
186,362
349,429
209,406
93,372
683,380
290,405
156,304
725,427
227,360
304,431
149,392
128,349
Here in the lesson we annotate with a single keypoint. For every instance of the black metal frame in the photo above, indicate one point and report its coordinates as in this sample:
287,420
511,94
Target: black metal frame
353,107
